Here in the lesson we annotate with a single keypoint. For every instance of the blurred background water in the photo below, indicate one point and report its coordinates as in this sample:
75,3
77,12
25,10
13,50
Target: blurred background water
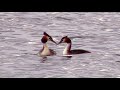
20,41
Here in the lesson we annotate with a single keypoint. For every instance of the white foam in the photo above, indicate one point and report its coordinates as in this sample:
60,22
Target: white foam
101,19
103,70
2,46
31,42
109,30
17,55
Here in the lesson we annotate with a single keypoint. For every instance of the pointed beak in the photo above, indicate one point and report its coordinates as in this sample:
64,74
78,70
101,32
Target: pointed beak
59,42
53,41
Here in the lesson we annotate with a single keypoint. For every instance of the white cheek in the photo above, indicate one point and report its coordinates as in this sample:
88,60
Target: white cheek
63,41
47,38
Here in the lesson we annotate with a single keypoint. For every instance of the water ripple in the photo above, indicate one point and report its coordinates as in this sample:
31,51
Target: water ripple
20,41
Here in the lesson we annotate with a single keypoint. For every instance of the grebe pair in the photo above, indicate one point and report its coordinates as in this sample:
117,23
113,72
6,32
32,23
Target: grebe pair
67,51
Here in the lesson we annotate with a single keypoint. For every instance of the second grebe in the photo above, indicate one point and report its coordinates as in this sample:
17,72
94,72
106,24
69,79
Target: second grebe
45,50
67,50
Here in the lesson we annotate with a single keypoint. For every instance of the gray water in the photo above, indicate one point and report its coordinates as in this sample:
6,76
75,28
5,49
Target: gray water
20,41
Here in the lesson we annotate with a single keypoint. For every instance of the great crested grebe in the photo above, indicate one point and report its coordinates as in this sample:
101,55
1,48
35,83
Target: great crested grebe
67,50
45,51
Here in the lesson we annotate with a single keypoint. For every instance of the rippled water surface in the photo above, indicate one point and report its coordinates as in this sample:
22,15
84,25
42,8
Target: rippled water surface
20,41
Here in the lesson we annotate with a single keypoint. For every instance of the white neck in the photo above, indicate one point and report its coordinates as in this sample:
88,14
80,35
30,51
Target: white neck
67,49
46,50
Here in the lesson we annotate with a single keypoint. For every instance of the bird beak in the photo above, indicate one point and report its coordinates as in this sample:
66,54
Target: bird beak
59,42
53,41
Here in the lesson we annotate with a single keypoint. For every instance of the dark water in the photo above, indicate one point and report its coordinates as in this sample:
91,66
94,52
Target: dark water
20,41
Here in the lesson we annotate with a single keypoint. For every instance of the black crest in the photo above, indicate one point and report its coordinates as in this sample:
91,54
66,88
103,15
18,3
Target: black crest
46,34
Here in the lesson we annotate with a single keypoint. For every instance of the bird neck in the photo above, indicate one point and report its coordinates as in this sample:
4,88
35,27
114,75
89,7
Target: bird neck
45,46
67,48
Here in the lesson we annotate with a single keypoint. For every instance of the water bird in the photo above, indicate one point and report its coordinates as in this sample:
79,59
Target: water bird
45,51
67,50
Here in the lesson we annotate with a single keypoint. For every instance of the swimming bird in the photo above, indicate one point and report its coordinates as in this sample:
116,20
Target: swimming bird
45,51
67,50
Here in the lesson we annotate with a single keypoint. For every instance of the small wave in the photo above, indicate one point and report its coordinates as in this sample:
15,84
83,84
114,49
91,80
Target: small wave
63,18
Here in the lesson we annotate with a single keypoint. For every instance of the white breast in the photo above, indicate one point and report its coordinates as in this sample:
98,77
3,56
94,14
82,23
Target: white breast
45,51
65,51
